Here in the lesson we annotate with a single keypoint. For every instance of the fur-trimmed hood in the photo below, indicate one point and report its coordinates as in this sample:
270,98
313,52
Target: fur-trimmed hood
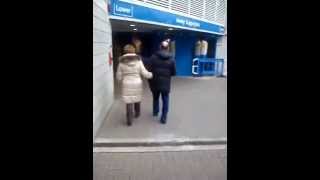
129,58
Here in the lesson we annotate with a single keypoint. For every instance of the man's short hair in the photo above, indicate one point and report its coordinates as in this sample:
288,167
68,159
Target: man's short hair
165,45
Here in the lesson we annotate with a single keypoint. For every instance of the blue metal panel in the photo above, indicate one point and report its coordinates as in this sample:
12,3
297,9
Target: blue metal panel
207,66
184,54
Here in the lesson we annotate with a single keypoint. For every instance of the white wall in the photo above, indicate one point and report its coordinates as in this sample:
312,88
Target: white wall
222,48
102,71
225,56
221,51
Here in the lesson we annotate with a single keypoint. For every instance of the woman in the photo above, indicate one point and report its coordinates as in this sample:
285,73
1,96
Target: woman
129,74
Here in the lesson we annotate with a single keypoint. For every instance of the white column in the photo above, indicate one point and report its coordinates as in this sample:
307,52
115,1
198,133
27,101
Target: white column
221,51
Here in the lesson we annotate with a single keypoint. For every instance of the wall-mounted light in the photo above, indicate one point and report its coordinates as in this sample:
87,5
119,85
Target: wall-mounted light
132,25
135,29
170,29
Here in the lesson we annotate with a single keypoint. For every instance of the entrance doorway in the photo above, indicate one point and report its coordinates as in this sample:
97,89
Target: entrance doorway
123,32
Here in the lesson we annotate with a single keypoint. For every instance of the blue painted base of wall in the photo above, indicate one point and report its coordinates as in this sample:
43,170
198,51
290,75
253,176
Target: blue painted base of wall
185,40
185,47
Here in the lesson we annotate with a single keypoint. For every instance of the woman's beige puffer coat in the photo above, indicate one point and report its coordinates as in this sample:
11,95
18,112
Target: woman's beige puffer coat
129,74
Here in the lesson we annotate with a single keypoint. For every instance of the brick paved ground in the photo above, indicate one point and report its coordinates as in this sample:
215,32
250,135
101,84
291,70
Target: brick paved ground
181,165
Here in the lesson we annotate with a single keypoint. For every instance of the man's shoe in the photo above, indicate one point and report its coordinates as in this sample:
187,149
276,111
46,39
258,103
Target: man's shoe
129,122
163,119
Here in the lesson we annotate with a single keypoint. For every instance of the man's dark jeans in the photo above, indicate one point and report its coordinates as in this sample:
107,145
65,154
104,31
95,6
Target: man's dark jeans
165,102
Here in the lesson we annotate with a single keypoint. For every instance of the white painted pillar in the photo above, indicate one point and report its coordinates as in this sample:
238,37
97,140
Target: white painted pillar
102,66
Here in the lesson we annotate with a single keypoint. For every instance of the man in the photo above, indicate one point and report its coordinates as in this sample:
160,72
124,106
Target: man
162,67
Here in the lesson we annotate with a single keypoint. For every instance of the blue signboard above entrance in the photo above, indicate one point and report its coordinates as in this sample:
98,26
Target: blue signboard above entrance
133,12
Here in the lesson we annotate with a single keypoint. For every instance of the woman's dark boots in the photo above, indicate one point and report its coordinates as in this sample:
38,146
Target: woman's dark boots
137,109
133,109
129,114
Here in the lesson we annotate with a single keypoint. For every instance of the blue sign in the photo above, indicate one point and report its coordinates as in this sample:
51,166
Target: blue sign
122,9
149,15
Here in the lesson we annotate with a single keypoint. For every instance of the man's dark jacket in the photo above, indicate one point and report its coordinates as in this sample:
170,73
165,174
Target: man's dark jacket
162,67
